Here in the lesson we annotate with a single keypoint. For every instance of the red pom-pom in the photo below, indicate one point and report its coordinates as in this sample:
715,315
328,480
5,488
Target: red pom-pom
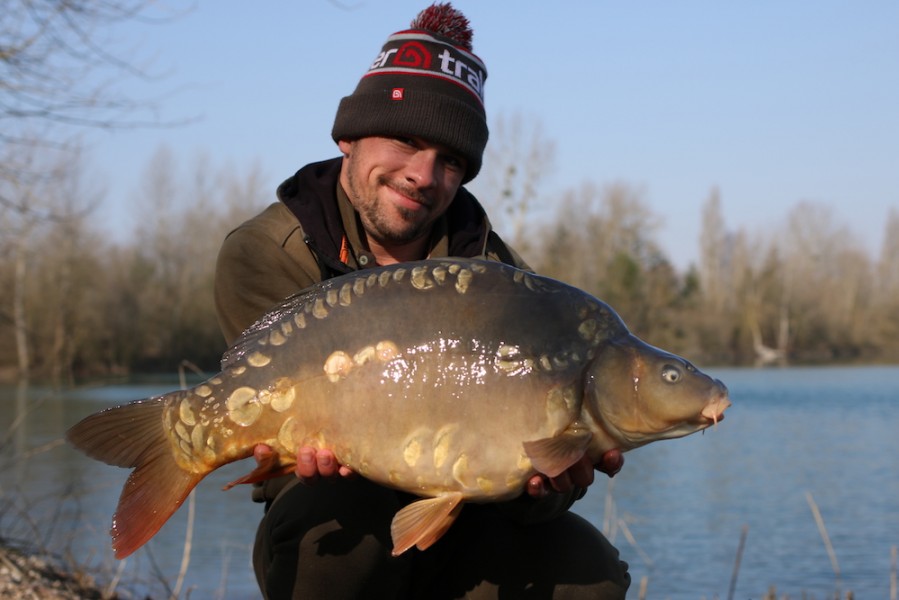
443,19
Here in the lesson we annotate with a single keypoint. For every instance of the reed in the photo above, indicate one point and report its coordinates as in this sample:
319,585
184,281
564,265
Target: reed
613,523
739,559
893,570
822,529
191,498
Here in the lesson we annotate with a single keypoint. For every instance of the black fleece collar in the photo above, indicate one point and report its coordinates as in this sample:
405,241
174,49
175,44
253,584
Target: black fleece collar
310,194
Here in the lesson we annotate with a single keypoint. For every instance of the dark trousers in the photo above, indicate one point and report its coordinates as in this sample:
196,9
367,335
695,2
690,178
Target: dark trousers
332,540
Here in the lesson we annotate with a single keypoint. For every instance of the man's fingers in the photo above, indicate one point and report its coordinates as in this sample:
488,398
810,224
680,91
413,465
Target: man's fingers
537,487
561,482
578,475
262,453
611,462
307,466
327,464
313,465
581,473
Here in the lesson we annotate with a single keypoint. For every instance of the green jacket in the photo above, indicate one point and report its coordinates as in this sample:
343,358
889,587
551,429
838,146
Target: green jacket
297,242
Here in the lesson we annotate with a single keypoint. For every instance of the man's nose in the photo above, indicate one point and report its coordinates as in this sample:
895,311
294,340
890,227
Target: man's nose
422,168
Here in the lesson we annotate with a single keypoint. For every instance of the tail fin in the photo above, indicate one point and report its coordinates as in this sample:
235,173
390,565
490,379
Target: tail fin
133,436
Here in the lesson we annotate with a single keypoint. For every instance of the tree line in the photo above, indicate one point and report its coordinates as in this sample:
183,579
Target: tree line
807,293
803,292
75,303
78,302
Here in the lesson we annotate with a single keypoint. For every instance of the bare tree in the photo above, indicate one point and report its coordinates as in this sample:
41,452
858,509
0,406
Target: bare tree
888,262
86,306
59,69
763,304
516,162
886,296
59,63
714,255
827,282
46,221
602,240
742,312
185,215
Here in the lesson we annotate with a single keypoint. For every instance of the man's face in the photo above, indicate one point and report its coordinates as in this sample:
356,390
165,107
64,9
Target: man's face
399,186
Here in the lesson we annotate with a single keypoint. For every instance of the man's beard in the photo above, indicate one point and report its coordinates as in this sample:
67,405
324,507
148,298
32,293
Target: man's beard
380,228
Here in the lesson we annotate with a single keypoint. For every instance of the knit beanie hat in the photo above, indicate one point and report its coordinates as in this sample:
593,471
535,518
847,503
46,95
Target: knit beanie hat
425,83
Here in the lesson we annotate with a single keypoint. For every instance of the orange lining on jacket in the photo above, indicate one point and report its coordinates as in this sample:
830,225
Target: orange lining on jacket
344,250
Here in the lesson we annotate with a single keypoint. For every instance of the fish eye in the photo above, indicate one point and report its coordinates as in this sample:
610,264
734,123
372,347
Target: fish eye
671,374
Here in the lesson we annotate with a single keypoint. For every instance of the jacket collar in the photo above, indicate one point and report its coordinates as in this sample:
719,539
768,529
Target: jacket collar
311,195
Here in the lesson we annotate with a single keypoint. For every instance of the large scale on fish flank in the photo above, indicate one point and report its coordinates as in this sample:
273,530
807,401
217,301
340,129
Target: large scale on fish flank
453,379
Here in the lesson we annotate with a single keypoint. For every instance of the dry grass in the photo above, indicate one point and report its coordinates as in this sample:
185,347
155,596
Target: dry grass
26,576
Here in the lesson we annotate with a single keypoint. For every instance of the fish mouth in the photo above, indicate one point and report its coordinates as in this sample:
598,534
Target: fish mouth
713,412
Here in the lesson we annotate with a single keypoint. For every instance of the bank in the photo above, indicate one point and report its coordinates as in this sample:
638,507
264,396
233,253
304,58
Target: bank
25,576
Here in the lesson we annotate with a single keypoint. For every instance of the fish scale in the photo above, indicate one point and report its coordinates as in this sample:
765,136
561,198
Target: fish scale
453,379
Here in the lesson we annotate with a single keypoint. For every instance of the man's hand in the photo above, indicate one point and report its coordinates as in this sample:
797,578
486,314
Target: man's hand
579,475
313,465
611,462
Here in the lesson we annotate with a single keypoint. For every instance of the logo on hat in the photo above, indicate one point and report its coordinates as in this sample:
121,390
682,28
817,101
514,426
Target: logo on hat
417,53
397,93
413,54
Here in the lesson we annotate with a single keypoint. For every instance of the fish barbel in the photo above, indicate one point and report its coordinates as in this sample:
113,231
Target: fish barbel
454,379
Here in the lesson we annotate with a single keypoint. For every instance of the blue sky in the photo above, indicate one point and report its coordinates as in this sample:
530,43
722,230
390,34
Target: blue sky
773,102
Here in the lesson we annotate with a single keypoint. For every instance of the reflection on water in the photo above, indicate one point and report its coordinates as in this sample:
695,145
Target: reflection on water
675,511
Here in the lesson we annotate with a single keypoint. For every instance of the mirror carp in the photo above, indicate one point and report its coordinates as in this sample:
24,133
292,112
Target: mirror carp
453,379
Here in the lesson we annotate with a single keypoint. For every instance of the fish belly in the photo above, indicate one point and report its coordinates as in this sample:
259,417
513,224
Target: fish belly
431,423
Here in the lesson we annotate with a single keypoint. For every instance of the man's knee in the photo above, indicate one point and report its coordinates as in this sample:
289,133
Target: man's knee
489,557
328,540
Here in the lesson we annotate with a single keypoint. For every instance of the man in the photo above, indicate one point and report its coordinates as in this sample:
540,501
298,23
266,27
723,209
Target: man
411,134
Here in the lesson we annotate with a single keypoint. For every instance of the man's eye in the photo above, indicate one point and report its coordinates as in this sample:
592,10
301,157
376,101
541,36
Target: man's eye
454,162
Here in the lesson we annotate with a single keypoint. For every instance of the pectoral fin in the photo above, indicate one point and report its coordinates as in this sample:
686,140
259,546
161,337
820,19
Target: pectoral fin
552,456
424,522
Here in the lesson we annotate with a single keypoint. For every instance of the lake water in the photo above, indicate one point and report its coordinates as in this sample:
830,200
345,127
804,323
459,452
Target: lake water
676,511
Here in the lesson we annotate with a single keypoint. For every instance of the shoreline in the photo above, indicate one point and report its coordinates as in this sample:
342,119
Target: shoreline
33,576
